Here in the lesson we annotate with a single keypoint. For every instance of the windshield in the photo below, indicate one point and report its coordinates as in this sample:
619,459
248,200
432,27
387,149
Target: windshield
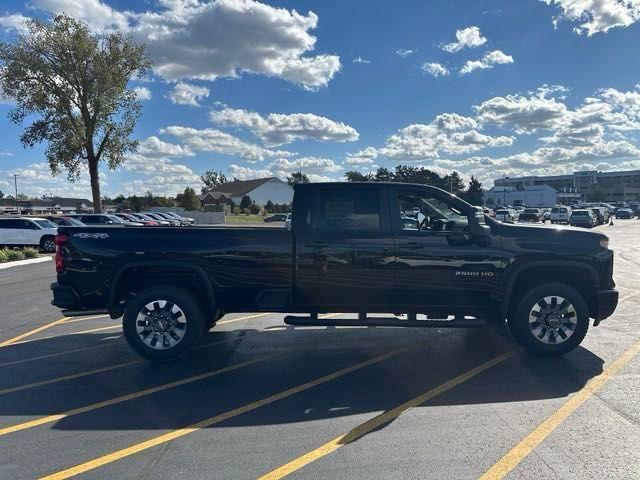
45,224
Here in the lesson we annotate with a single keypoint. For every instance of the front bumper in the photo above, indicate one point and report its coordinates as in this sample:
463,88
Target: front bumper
606,303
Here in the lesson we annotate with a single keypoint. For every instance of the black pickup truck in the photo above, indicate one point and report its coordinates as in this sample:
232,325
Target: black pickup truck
352,247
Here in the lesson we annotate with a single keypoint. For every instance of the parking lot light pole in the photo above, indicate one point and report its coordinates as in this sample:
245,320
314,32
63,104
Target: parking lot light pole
15,184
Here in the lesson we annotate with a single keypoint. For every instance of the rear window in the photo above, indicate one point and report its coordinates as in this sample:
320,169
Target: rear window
502,212
531,210
558,210
45,223
347,210
580,214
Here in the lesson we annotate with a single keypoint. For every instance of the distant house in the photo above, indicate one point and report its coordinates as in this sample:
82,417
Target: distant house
260,190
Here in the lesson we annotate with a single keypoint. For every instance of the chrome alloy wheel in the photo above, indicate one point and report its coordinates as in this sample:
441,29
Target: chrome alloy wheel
553,320
161,324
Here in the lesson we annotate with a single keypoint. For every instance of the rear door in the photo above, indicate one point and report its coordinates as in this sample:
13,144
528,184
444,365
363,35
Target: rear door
344,248
8,231
28,233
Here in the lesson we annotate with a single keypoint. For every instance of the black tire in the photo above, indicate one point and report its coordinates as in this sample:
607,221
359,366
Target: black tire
535,332
47,244
217,316
192,316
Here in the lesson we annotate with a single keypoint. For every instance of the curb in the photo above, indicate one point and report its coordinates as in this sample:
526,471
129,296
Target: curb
29,261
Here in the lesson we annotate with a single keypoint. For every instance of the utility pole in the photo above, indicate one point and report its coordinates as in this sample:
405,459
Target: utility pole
15,183
504,190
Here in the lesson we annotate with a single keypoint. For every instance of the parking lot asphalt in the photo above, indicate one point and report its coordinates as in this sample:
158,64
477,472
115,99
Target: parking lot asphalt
258,399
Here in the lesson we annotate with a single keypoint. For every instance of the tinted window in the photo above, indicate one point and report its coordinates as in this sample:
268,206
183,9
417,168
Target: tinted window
45,223
429,212
8,223
90,220
347,210
26,225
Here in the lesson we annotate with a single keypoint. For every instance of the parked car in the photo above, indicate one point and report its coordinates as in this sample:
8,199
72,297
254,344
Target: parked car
104,219
161,218
278,217
598,215
174,222
64,220
560,214
624,213
145,218
127,217
162,221
507,215
347,251
28,231
531,215
488,211
519,208
287,222
184,220
546,214
582,218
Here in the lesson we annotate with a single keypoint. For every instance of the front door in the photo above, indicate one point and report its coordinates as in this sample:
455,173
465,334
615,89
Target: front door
344,250
439,263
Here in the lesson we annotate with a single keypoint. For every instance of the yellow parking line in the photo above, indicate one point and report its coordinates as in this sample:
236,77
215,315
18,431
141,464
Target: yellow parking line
52,355
167,437
83,319
378,421
124,398
32,332
537,436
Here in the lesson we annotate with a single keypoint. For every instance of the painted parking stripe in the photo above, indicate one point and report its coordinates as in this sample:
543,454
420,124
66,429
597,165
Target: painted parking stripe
167,437
378,421
13,340
518,453
84,319
56,354
131,396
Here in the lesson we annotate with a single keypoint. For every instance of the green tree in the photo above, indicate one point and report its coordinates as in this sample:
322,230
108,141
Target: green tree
383,175
1,194
296,177
245,202
269,206
74,83
188,199
474,192
453,183
211,179
355,176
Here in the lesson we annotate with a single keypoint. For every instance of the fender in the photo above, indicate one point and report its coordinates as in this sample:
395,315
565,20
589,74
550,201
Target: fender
516,271
115,309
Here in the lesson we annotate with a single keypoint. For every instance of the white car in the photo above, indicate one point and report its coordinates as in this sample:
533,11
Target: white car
287,222
560,214
20,231
507,215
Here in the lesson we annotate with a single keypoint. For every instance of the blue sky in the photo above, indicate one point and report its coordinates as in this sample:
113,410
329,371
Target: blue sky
488,88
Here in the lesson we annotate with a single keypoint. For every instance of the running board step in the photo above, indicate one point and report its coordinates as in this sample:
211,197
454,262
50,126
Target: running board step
313,321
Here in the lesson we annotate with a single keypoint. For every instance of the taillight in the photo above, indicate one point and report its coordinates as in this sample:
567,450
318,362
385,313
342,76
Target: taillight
60,239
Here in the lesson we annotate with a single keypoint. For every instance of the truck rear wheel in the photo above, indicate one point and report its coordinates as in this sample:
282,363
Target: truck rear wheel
162,322
551,319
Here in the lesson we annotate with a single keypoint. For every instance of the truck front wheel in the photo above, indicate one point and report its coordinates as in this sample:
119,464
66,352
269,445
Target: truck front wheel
549,320
162,322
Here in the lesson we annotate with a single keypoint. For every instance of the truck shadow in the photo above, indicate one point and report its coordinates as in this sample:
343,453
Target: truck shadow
292,356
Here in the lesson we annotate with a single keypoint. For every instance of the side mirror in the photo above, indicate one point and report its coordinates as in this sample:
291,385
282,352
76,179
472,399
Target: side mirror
477,225
110,222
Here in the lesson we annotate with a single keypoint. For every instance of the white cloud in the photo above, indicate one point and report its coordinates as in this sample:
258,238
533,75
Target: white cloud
191,40
469,37
142,93
361,60
153,147
595,16
212,140
435,69
96,13
489,60
404,52
35,180
186,94
315,169
449,133
362,157
277,129
15,22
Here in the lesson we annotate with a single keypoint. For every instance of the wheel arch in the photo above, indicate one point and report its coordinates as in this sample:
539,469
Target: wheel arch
580,276
138,273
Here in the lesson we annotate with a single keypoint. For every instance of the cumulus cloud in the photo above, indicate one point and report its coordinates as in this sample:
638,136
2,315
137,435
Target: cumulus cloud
186,94
469,37
362,157
14,23
277,129
153,147
315,168
596,16
212,140
449,133
489,60
192,40
435,69
142,93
